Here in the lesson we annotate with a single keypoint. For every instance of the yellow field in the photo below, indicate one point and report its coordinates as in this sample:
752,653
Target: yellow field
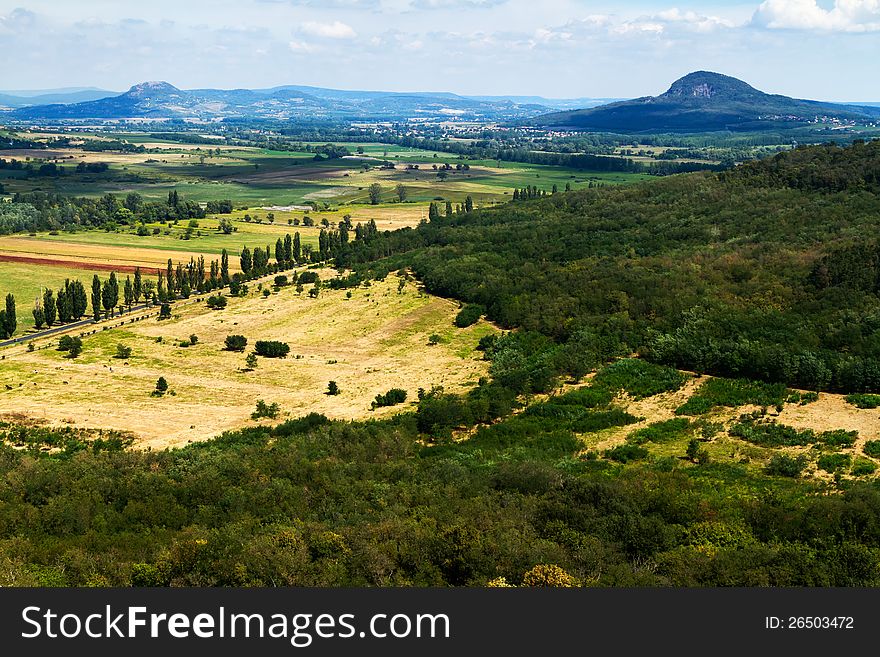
374,341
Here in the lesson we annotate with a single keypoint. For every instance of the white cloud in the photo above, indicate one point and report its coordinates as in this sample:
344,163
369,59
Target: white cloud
300,46
334,30
845,16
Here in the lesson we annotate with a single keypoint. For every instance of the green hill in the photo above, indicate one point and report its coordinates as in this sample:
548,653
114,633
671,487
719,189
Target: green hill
769,271
707,102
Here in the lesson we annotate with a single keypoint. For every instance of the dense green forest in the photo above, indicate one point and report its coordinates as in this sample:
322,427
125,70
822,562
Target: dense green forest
312,502
768,271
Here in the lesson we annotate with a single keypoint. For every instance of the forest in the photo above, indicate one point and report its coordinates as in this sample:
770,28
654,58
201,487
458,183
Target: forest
768,271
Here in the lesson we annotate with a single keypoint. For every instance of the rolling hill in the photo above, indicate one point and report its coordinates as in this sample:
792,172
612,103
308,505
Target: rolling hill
707,102
161,100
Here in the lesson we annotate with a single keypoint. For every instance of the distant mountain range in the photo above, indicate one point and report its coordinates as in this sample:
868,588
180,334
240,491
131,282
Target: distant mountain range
706,102
161,100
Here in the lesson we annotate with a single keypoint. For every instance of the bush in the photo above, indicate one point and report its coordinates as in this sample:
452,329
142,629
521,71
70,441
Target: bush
281,281
469,315
784,465
193,339
638,378
391,398
863,467
872,448
165,311
161,387
834,462
548,575
332,388
433,339
863,401
308,277
661,432
271,348
216,302
626,453
771,434
733,393
72,345
122,351
265,410
235,342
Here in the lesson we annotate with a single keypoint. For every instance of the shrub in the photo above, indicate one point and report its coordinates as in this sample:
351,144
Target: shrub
733,393
308,277
235,342
391,398
72,345
216,302
586,397
863,401
193,339
833,462
434,339
661,432
771,434
271,348
626,453
265,410
838,438
548,575
784,465
872,448
863,467
639,378
469,315
281,281
161,387
165,311
122,351
332,388
251,361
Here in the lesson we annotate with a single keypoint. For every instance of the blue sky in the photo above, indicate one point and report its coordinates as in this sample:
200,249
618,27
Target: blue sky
825,49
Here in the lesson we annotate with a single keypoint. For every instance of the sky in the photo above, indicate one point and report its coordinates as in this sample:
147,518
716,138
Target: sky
822,49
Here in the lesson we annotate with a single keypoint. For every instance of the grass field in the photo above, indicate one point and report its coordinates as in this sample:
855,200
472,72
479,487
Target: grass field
374,341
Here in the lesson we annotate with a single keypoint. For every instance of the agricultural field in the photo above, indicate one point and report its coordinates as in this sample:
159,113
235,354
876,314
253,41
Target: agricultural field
255,176
375,340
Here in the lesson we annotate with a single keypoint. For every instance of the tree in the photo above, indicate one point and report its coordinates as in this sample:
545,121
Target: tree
49,307
96,297
433,212
10,322
468,204
122,352
39,315
138,288
375,191
449,209
246,261
161,387
75,294
279,251
288,248
400,190
251,361
332,388
64,306
224,268
297,247
128,293
110,294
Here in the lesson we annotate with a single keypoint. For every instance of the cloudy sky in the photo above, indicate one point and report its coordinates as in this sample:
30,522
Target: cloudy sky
825,49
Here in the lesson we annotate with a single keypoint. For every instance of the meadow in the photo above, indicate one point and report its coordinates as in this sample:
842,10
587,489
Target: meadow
370,342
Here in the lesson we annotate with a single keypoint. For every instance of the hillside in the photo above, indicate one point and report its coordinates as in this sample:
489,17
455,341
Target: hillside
706,102
769,271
